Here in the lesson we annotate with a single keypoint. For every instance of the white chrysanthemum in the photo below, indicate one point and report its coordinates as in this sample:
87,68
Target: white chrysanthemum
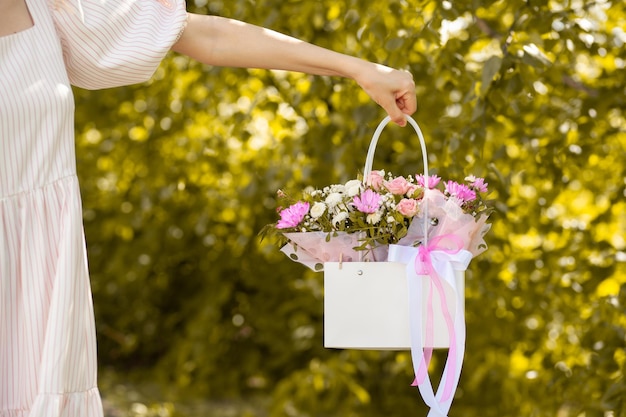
353,187
317,210
333,199
374,218
340,217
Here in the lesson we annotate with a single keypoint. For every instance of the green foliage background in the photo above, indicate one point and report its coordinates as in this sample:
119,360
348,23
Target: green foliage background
180,174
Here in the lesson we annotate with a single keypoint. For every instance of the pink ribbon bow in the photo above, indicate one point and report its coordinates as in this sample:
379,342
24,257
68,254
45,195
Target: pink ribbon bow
424,266
438,260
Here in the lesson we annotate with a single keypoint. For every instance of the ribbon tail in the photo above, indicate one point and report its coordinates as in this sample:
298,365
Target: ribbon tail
420,367
451,364
451,379
436,413
430,338
441,402
419,266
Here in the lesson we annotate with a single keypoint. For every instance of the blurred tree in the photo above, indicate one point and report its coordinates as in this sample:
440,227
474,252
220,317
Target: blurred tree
180,174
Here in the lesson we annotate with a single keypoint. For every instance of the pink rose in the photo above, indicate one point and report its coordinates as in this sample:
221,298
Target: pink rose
397,186
375,179
407,207
412,189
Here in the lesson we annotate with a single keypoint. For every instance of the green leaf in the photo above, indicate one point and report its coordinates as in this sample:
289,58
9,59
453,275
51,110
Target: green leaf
394,44
534,57
490,69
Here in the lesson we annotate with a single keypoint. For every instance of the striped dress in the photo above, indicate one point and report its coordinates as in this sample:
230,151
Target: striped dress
47,330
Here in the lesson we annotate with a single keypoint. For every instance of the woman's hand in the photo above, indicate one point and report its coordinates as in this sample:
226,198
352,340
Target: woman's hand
392,89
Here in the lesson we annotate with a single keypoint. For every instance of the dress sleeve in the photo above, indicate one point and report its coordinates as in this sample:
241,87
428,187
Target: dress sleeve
109,43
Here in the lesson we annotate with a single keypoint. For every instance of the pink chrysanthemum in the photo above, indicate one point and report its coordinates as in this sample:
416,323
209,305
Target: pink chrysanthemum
432,182
367,202
479,184
460,191
292,215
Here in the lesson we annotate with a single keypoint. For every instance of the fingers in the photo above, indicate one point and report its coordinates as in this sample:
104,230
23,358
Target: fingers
392,89
397,115
405,100
403,104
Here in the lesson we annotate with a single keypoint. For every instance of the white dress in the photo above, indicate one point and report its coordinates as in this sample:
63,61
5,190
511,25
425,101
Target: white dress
47,331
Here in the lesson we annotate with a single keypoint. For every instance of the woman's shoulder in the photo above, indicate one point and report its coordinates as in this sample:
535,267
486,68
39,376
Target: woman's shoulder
109,43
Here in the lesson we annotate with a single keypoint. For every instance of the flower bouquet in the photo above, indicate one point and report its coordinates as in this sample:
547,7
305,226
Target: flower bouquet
358,220
392,248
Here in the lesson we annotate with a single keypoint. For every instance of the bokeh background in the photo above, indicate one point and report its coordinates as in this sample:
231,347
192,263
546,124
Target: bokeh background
197,317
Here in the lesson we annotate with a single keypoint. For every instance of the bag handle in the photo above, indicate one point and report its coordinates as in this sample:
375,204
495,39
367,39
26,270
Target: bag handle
372,149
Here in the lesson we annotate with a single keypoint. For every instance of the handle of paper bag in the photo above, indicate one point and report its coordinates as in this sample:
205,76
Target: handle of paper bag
369,160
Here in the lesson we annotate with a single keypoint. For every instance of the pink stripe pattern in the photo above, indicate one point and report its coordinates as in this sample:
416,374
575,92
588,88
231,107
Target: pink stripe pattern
47,330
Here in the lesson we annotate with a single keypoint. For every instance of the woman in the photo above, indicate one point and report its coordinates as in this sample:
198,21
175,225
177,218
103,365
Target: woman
47,331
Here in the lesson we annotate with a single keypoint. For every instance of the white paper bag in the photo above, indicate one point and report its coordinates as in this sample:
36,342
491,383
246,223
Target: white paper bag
366,306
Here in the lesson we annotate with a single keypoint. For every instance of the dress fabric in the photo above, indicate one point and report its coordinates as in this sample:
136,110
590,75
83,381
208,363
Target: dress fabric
47,331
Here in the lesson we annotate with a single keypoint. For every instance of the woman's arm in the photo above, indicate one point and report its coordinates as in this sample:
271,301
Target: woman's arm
225,42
